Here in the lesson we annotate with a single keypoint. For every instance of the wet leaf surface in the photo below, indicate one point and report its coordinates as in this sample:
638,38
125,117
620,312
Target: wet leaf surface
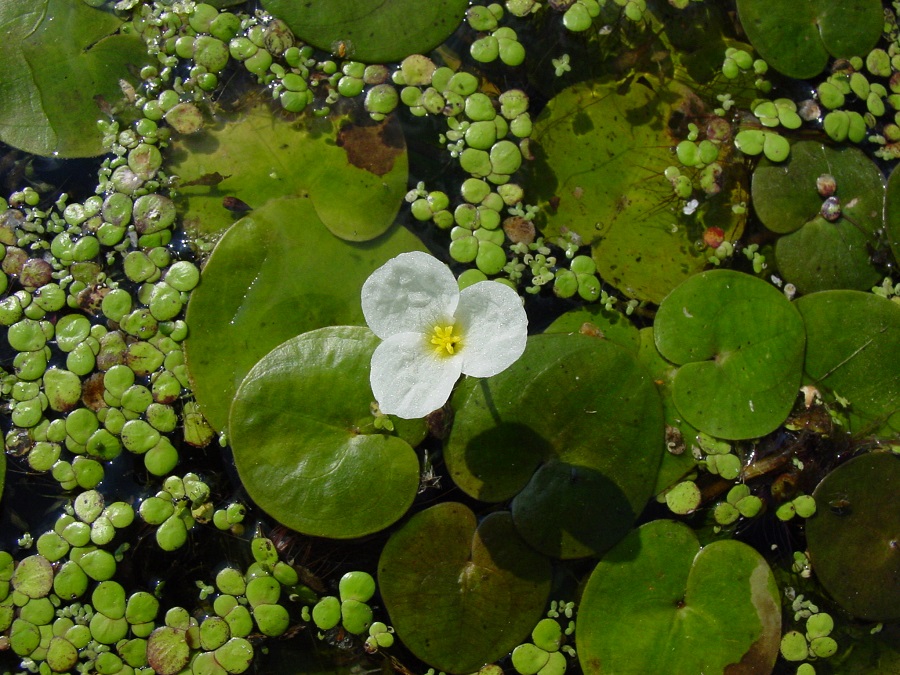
304,441
373,32
859,364
817,254
797,39
461,593
854,537
658,602
740,344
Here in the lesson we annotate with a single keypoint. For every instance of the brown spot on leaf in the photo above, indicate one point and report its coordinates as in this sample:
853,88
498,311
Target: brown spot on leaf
760,657
519,230
92,392
211,179
372,147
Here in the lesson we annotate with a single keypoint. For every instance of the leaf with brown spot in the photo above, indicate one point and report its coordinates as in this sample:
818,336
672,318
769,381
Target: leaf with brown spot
372,147
355,175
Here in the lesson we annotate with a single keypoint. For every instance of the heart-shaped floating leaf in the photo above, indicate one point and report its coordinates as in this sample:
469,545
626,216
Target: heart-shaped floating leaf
821,254
854,537
58,59
797,38
355,174
739,343
785,194
461,594
304,441
852,342
373,32
658,602
573,430
272,276
600,157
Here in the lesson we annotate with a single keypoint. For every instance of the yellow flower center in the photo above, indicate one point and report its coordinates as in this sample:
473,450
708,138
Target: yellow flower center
444,341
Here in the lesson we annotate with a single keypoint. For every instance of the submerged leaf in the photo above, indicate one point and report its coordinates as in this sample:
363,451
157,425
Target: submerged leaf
601,151
354,174
61,62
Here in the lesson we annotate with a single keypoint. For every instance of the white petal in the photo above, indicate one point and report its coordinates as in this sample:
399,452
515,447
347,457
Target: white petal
412,292
494,328
408,379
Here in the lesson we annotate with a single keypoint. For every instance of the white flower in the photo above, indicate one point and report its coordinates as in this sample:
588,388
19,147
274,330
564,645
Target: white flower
433,332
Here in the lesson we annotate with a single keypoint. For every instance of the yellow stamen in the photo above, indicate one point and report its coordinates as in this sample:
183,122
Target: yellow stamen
445,341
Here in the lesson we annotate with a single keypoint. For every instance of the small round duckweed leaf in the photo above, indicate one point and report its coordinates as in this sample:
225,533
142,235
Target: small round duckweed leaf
304,441
371,32
740,345
271,277
33,577
854,539
461,594
590,457
46,114
167,650
797,38
235,655
359,586
600,152
354,174
861,364
658,601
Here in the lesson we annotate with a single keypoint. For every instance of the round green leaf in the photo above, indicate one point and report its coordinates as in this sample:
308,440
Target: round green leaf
271,277
854,538
461,594
658,602
785,195
354,174
600,152
167,650
740,344
797,38
62,69
304,441
861,364
821,254
590,456
33,577
373,33
528,659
